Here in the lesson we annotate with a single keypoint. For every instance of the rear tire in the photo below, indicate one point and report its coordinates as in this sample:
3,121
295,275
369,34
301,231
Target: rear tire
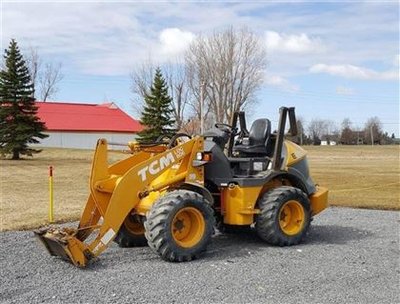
179,226
131,233
285,216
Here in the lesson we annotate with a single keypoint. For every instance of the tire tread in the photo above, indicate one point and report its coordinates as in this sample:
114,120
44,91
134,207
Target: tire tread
158,218
267,223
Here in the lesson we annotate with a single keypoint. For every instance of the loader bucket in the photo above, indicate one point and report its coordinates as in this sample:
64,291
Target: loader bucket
63,243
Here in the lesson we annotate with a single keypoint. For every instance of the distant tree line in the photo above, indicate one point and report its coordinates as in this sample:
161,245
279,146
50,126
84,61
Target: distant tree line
319,130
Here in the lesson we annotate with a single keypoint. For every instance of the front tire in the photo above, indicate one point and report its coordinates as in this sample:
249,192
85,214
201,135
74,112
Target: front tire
131,233
179,226
285,216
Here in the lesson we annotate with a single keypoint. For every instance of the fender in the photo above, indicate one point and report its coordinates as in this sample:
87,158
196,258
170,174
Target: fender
198,189
294,180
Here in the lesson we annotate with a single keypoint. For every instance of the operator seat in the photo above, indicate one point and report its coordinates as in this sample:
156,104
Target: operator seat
258,140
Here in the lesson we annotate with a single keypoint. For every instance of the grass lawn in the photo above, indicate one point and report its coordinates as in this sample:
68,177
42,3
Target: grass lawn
357,176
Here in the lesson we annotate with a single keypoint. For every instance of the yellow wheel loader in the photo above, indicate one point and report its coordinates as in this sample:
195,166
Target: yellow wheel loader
170,194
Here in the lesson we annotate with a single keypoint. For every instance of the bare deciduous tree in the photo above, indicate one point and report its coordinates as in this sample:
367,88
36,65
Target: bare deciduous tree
34,63
348,136
230,64
45,78
190,126
301,137
48,79
316,129
177,82
142,78
373,131
346,123
331,130
323,129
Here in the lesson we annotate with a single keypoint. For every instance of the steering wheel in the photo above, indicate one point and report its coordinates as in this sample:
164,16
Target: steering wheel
223,127
174,139
163,138
226,128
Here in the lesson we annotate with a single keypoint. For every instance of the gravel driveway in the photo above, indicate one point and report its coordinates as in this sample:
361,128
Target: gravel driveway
350,256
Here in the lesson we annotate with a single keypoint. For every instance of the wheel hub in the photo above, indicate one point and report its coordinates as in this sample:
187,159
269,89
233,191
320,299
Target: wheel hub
179,225
188,227
291,217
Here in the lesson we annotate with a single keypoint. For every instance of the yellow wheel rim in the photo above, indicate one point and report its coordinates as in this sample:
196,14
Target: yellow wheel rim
133,227
188,227
291,217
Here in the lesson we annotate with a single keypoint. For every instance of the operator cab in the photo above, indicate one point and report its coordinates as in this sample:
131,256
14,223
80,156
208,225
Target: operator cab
245,157
258,142
252,151
238,152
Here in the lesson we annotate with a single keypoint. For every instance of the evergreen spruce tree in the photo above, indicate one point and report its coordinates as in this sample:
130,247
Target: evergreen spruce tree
19,124
157,112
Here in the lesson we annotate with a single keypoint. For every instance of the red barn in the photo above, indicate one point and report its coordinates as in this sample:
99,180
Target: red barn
77,125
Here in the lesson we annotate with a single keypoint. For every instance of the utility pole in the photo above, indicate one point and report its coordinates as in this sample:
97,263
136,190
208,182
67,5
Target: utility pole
372,136
201,106
301,136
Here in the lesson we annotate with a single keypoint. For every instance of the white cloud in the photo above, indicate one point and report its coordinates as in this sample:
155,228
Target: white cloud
175,41
396,60
341,90
280,82
85,35
301,43
355,72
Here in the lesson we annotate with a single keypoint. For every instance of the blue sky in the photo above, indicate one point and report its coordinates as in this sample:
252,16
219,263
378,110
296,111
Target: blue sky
331,60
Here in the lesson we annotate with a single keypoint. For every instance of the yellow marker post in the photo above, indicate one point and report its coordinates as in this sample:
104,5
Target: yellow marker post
51,197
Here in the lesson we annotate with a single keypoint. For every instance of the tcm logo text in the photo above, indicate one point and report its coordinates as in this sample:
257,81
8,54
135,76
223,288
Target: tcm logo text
156,166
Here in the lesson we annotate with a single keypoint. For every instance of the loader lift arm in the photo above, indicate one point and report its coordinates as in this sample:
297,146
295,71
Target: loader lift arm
117,190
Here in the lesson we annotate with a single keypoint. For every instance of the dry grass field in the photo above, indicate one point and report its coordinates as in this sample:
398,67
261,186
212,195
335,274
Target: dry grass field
357,176
24,190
